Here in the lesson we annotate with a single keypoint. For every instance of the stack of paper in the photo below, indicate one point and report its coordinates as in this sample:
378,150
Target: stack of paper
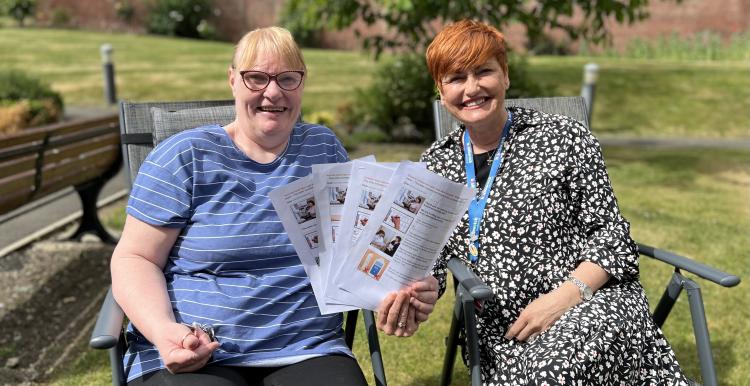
363,229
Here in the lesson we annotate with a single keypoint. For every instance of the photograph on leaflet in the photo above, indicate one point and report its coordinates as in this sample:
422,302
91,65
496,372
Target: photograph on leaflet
399,220
312,239
369,199
361,220
336,195
409,200
304,210
373,265
383,236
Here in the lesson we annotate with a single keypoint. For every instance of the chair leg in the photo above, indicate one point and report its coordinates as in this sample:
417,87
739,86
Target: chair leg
116,355
350,327
375,356
668,299
472,339
700,329
451,345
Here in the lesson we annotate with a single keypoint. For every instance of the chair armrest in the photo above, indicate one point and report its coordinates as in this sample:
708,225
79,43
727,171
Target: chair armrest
689,265
469,280
108,324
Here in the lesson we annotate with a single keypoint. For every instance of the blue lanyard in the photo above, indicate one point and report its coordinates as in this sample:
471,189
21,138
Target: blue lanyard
476,208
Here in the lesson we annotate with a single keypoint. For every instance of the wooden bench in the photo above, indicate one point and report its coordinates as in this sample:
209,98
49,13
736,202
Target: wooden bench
83,154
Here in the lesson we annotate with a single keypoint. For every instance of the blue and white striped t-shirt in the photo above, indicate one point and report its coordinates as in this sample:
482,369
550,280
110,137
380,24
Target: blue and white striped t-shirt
233,265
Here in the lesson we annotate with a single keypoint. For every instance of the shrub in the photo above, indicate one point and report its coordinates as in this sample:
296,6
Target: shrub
60,18
18,9
180,17
26,101
399,100
124,10
521,83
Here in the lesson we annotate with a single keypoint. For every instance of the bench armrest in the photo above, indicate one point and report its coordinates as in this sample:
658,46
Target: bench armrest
469,280
689,265
108,324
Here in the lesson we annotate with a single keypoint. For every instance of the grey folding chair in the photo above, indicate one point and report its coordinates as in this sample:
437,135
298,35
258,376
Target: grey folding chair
142,126
469,288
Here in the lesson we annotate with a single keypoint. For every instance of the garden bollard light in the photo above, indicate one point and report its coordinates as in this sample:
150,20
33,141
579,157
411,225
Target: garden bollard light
110,93
590,75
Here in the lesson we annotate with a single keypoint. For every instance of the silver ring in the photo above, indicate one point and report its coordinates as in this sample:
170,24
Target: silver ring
182,341
401,324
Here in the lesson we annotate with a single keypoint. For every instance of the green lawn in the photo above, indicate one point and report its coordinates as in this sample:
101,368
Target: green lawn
152,68
634,97
658,98
694,202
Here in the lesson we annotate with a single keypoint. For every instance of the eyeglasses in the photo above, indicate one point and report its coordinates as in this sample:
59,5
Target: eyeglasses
259,80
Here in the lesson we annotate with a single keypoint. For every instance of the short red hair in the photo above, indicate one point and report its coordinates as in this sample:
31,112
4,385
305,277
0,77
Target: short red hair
464,45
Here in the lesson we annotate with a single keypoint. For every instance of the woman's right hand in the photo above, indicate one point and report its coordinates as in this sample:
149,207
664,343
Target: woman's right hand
183,350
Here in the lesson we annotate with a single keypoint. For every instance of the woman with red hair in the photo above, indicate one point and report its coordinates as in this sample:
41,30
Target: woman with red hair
544,232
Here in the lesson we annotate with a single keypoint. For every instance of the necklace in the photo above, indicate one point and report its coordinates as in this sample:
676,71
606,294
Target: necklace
491,157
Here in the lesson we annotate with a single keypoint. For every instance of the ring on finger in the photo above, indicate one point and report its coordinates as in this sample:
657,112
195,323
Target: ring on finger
182,341
401,324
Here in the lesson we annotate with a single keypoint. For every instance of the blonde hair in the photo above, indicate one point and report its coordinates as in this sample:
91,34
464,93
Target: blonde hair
275,41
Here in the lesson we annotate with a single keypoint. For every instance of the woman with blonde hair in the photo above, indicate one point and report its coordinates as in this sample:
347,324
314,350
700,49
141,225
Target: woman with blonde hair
213,288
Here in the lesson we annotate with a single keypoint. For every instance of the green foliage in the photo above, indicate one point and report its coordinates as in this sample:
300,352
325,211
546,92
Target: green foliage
18,9
16,85
60,17
523,84
409,21
398,101
26,101
124,10
305,34
185,18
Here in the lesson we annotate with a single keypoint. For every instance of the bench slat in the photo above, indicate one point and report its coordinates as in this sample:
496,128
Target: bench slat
17,166
81,149
75,171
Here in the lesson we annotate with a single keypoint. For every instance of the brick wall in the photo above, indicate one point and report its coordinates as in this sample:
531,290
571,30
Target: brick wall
234,17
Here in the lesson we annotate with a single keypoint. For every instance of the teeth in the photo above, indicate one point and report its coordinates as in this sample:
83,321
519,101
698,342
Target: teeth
274,109
475,102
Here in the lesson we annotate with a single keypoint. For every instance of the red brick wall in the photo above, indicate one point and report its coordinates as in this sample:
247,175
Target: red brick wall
235,17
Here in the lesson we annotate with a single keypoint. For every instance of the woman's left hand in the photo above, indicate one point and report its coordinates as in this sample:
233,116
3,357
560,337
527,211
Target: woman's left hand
540,314
400,313
424,297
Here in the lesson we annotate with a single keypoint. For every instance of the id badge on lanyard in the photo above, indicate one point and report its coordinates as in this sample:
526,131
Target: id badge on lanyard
478,204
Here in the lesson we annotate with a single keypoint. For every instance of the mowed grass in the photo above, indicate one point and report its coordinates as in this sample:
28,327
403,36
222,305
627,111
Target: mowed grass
658,98
153,68
634,97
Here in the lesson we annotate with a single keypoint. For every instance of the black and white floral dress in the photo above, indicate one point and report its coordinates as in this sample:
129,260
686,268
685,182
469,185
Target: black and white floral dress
550,208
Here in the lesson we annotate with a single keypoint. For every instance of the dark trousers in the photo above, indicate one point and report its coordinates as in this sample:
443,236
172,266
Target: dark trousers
320,371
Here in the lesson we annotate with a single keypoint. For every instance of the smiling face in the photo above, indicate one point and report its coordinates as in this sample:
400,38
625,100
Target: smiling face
476,96
268,115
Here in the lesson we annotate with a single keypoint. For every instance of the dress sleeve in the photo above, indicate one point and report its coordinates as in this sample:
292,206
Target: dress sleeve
606,238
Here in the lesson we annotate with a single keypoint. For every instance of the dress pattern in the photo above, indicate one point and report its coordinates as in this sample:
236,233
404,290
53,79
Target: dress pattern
551,207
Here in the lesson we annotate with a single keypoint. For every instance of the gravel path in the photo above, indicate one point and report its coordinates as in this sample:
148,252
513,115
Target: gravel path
49,298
